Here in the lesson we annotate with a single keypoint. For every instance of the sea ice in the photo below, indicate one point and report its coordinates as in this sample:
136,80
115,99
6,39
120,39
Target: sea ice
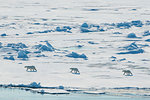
34,84
9,58
131,35
132,49
76,55
18,45
137,23
146,33
133,52
132,46
85,28
22,54
3,34
117,33
148,40
91,42
64,29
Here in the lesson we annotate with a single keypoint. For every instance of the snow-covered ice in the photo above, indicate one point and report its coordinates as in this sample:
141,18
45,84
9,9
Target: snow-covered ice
55,36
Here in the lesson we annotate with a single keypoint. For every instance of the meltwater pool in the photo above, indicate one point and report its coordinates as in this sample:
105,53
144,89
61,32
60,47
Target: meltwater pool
16,94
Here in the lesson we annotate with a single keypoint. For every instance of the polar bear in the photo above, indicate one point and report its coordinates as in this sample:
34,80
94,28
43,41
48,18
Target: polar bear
127,73
74,70
30,68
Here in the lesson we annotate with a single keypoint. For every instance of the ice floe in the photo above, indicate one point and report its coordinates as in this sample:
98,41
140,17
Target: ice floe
76,55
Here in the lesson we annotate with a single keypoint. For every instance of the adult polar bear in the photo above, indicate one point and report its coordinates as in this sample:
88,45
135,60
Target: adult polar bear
127,73
30,69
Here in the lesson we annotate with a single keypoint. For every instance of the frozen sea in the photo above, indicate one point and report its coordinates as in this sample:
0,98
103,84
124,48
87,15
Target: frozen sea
15,94
99,37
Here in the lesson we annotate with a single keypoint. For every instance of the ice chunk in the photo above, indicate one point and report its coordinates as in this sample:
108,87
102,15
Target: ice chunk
131,35
124,25
9,58
49,45
45,48
42,91
22,54
101,30
117,33
122,59
40,55
9,53
38,46
67,27
85,28
1,45
113,58
79,46
132,49
18,45
132,46
75,55
61,87
29,33
134,9
146,33
148,40
137,23
61,29
3,34
93,9
27,52
45,31
37,51
147,22
34,85
91,42
133,52
85,25
36,23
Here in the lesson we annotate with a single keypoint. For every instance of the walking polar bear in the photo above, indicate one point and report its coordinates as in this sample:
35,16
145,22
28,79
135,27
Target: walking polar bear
74,70
30,69
127,73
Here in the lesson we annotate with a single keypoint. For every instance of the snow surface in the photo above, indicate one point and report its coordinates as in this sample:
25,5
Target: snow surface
43,32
